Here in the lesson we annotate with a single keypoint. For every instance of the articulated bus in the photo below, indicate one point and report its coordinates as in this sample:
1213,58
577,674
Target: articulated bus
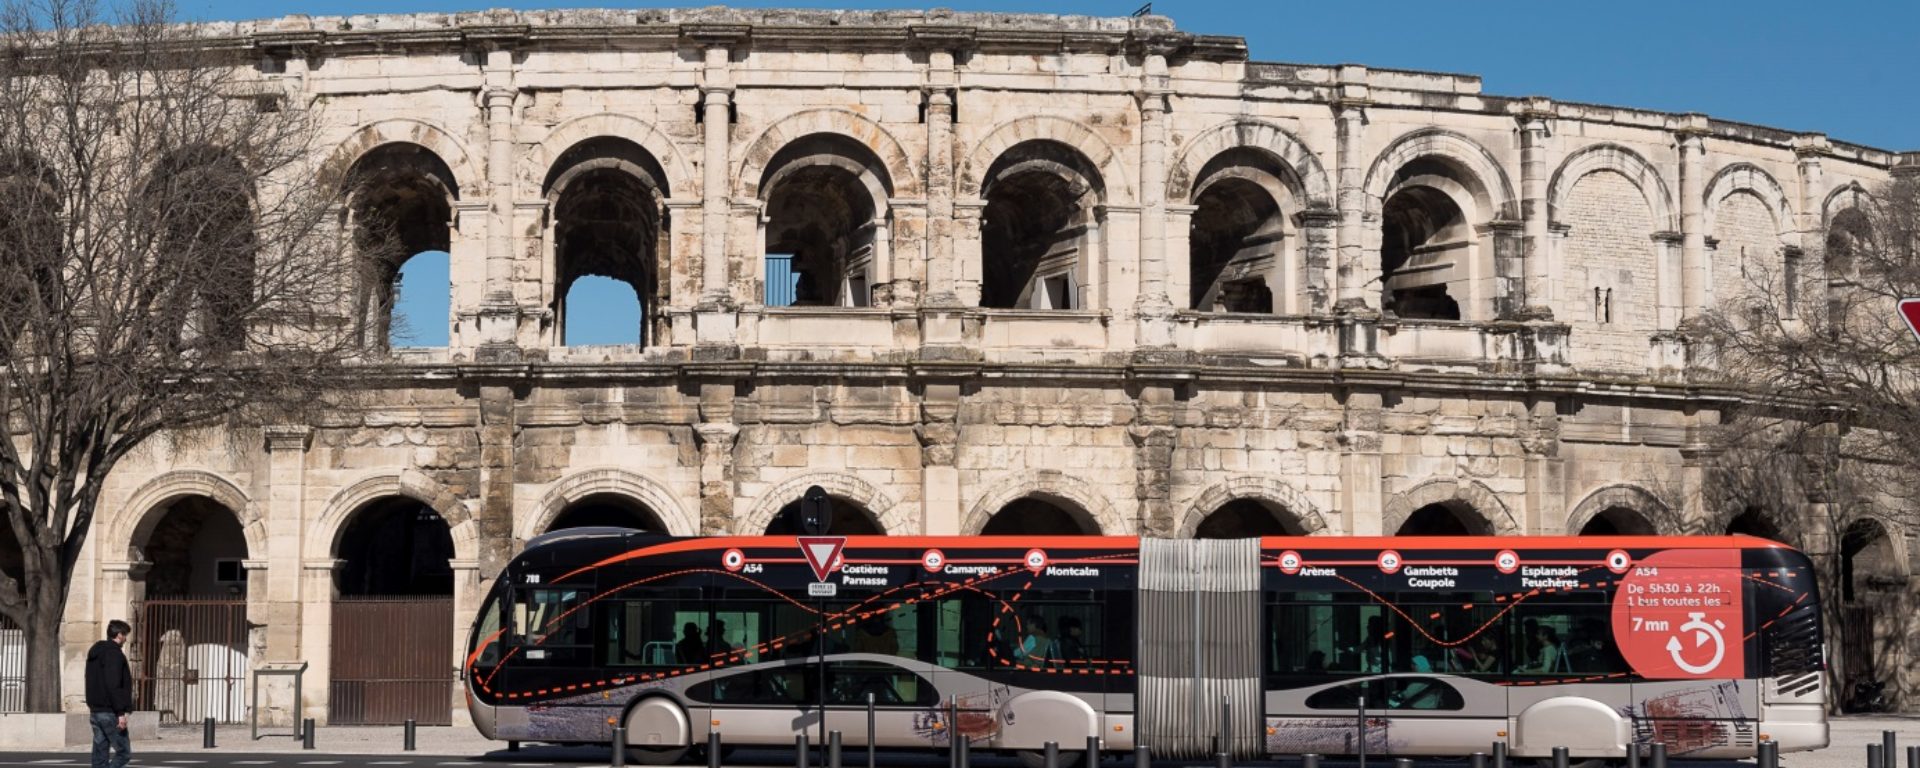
1280,645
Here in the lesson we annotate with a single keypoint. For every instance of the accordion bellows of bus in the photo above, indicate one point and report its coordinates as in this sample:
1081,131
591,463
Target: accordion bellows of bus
1286,645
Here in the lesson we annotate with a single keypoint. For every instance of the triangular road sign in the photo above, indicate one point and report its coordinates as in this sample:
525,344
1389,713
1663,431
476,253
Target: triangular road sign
821,553
1910,313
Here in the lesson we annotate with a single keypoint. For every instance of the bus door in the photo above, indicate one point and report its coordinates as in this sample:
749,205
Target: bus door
765,678
876,654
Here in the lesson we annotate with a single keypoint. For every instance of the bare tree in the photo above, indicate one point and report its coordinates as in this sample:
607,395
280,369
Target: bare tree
167,262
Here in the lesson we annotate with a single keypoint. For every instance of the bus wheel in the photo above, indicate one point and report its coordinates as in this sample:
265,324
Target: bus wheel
657,755
1033,758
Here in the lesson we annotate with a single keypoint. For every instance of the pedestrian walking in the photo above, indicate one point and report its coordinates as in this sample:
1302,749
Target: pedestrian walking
110,697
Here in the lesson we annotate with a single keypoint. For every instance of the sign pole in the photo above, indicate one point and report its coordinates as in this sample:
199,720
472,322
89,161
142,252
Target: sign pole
816,518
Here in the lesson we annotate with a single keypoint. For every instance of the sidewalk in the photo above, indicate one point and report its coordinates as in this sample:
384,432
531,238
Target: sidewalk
429,741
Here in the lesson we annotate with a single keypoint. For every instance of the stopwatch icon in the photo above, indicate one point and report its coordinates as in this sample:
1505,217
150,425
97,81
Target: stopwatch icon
1702,631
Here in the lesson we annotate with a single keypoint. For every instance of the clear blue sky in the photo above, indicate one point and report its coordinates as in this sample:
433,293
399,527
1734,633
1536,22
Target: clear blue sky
1847,68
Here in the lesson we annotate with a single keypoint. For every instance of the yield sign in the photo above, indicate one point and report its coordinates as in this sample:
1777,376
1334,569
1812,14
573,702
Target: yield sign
821,553
1910,312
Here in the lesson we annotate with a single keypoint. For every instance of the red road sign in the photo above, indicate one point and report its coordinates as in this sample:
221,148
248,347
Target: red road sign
1910,312
821,553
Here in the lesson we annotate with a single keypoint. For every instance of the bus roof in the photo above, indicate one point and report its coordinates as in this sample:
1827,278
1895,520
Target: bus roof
664,544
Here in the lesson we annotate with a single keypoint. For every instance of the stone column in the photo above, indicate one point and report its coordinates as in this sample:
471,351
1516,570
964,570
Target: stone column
1179,255
716,94
1508,240
499,310
1151,304
316,628
493,521
1545,472
277,589
467,593
1350,122
685,243
1361,475
1693,237
881,281
939,435
716,477
1153,445
1317,252
1807,151
941,91
1536,293
968,218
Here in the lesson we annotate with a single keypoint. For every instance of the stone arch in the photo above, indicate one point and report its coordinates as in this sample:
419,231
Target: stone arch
409,483
1305,514
893,156
1750,178
1494,196
145,508
1470,495
679,175
1051,485
1594,158
972,174
894,519
609,481
1845,197
1870,556
1625,496
466,174
1315,191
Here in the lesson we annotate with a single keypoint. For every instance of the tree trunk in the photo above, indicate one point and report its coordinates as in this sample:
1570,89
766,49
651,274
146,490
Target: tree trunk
46,602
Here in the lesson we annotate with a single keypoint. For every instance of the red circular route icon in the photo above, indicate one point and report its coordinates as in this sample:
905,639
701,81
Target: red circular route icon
734,560
1506,561
1619,561
1036,560
1290,562
1389,561
933,560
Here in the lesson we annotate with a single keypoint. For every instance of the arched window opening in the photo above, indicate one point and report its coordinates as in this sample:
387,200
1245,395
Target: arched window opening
196,548
201,204
609,230
1236,240
1443,519
1617,521
1038,517
849,519
396,547
422,303
1247,518
826,198
30,245
1038,228
1425,244
607,510
400,206
1867,560
1848,240
1754,521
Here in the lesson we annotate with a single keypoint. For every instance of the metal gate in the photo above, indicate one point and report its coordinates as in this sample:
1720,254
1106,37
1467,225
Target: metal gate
190,661
392,661
13,667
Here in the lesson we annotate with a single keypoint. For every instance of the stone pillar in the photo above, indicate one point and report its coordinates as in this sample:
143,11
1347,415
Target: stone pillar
968,217
685,243
493,520
1535,289
1807,151
1317,252
1509,288
1353,273
1153,445
716,93
318,594
939,435
1361,475
277,589
1695,296
467,258
881,281
941,86
1151,304
499,317
716,477
1179,255
467,593
907,253
1545,472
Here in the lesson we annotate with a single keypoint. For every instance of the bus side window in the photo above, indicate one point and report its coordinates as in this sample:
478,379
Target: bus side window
651,632
1447,632
1563,634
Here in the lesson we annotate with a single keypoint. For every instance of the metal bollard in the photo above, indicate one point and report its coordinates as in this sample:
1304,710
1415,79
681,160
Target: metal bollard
800,750
1050,757
1226,726
1889,748
619,746
1657,755
1769,756
1361,746
713,749
966,745
1561,759
1913,755
513,746
407,735
1310,760
870,746
206,733
1402,762
953,733
1223,759
1093,752
306,734
1499,754
833,749
1873,756
1143,757
1477,760
1633,755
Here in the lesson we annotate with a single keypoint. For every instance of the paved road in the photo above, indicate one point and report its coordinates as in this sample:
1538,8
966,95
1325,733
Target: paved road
596,758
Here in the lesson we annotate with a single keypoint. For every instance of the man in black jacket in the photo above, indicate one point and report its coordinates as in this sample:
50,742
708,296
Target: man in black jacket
110,696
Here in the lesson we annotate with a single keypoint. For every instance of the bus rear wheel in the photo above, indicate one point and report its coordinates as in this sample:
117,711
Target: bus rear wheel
657,755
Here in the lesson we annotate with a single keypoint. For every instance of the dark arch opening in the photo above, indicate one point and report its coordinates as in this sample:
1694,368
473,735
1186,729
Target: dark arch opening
13,561
609,226
1425,240
199,199
396,546
1754,521
849,519
400,206
610,510
1034,231
1037,517
30,250
196,548
1867,560
1443,519
1617,521
823,222
1236,236
1247,518
1848,238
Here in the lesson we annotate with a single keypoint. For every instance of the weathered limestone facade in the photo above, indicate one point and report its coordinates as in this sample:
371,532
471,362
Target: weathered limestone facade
1105,273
